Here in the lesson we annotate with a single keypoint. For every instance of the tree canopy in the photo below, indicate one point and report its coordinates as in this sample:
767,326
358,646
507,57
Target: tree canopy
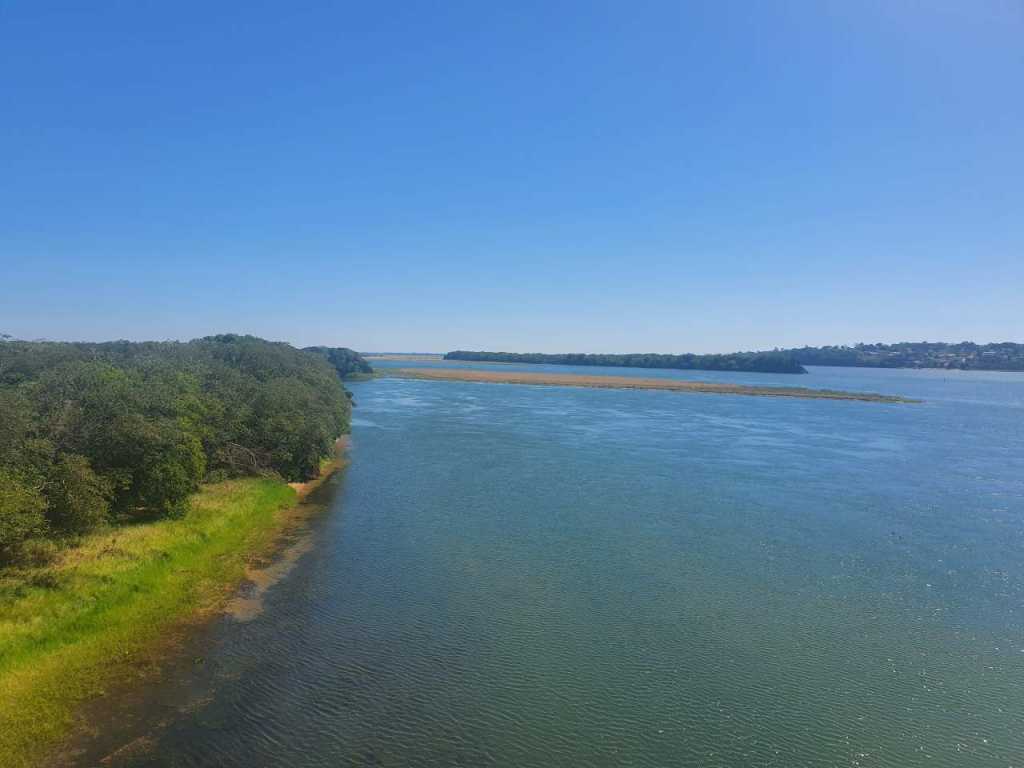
346,362
98,433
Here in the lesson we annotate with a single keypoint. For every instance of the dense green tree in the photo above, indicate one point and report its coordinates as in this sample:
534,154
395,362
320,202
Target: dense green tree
346,362
96,433
163,466
16,423
77,499
21,512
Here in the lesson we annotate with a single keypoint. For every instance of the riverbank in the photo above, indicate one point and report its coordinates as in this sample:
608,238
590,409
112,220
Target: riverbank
629,382
104,612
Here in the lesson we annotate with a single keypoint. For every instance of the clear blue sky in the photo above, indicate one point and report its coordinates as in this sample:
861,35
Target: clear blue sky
551,176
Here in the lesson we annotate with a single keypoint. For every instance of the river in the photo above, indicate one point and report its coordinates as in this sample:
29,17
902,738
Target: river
551,576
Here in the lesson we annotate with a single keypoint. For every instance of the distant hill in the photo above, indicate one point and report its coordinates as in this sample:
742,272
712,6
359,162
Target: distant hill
757,362
346,362
966,356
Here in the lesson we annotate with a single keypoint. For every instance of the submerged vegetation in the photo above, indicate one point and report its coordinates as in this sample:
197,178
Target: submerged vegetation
99,434
758,362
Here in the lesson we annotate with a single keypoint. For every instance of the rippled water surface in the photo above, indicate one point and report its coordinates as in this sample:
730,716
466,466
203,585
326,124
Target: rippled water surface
544,576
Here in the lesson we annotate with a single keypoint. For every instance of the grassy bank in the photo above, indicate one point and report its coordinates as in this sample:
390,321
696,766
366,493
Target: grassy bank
93,616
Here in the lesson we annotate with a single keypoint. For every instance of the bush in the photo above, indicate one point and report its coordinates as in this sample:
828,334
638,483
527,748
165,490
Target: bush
170,474
216,476
163,465
21,513
78,499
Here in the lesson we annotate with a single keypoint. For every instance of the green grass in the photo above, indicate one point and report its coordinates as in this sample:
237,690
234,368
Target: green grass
72,628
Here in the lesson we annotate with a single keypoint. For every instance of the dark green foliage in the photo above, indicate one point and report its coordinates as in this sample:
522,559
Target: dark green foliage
78,500
21,511
345,361
155,464
1001,356
97,433
759,362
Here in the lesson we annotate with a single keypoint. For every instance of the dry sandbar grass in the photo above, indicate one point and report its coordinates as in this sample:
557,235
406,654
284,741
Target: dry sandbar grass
630,382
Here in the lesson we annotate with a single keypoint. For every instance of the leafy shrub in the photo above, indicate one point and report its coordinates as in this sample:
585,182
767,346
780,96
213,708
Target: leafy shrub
78,500
21,513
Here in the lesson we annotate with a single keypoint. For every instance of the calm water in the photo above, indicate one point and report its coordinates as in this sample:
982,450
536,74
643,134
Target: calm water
540,576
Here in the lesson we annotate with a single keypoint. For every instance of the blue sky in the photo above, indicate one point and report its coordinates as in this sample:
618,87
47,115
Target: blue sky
550,176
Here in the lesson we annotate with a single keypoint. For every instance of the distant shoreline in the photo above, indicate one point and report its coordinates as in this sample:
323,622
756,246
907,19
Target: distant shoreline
628,382
747,362
1004,356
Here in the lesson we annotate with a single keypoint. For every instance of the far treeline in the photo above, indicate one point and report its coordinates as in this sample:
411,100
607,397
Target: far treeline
100,434
966,356
758,362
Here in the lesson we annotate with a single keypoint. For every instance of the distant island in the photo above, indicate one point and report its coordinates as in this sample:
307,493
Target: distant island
757,362
964,356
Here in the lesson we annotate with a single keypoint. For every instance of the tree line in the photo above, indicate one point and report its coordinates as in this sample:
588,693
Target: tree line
98,434
965,355
760,362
